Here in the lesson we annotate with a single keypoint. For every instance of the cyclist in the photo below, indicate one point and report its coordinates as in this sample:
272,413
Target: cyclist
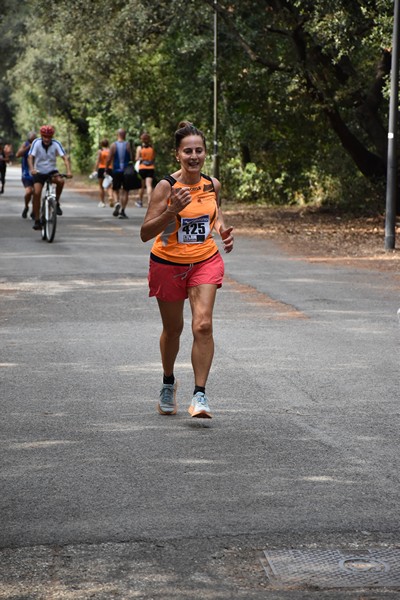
42,160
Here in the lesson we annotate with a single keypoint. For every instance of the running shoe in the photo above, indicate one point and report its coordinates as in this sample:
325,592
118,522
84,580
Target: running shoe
37,226
101,205
139,204
122,215
167,404
25,212
58,210
116,210
199,407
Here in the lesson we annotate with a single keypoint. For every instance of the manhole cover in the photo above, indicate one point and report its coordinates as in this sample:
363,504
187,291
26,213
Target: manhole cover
332,568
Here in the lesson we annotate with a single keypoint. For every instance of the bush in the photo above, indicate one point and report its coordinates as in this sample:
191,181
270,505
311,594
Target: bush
250,184
345,190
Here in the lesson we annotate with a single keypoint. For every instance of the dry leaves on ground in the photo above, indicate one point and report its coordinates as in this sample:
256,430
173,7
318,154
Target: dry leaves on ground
318,235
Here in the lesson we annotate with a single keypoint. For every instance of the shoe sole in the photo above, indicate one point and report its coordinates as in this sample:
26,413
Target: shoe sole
202,414
167,413
175,404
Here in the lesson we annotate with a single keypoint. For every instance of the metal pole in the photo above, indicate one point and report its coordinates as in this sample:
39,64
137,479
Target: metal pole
215,154
391,181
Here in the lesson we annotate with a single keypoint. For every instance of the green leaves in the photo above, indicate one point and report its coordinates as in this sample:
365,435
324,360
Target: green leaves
302,85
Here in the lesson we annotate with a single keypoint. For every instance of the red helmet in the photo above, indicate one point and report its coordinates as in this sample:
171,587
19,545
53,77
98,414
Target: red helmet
47,130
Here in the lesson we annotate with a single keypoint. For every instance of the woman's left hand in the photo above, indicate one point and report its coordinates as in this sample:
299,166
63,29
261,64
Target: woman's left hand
227,238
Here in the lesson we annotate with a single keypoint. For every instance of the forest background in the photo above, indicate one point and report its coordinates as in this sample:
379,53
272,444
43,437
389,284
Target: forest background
303,88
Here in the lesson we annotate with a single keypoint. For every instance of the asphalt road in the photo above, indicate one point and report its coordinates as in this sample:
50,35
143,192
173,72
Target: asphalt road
101,497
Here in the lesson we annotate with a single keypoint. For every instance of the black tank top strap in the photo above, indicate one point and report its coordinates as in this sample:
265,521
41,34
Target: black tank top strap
171,180
208,179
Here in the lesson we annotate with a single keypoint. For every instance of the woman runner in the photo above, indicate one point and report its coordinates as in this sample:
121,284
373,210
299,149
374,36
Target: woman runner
185,263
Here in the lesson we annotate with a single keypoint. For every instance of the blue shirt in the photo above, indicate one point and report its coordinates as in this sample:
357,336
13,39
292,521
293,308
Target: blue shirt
121,156
24,163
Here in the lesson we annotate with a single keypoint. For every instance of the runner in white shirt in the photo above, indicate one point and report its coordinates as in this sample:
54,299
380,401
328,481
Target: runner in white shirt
42,161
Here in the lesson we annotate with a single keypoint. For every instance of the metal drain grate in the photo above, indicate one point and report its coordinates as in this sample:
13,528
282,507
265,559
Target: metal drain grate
333,568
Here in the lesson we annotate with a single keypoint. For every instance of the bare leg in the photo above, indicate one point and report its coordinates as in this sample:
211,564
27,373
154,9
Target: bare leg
102,190
116,196
37,192
172,320
149,188
124,199
141,191
28,195
202,299
59,181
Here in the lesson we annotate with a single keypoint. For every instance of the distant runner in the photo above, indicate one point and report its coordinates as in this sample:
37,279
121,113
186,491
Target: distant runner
26,177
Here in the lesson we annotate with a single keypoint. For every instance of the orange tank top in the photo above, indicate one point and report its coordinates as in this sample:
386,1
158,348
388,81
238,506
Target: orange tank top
147,155
104,154
188,237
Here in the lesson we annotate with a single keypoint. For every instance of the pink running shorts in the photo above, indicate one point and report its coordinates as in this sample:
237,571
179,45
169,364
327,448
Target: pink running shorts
171,282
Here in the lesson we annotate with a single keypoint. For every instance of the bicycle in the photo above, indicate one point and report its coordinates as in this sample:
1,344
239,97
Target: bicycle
48,210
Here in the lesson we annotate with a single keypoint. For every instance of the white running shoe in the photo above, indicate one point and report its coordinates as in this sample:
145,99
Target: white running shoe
199,407
167,403
101,205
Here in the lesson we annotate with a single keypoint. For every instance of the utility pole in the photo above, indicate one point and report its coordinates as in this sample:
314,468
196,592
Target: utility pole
215,64
391,179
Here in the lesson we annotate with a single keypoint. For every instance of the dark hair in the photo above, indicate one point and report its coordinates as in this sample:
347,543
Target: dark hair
186,128
104,143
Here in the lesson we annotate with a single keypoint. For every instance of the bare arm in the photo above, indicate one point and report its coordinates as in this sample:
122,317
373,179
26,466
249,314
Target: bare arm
224,232
67,165
138,152
110,158
160,212
22,150
31,163
96,166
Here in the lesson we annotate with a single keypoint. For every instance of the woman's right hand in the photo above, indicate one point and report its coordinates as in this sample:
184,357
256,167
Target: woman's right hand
179,199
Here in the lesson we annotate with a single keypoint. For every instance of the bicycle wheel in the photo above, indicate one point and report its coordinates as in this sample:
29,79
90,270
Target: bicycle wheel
43,219
51,219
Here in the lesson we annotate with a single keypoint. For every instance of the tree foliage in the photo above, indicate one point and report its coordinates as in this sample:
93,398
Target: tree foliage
302,85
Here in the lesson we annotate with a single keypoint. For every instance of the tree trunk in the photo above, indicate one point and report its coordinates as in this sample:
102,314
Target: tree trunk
245,156
371,165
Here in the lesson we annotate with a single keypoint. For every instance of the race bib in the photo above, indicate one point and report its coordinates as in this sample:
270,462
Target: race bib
194,231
